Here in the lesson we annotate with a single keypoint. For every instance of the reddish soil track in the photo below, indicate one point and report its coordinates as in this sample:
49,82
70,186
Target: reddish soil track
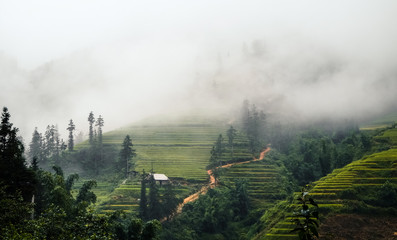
212,184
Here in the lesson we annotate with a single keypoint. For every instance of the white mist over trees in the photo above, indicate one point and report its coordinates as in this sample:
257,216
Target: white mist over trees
307,58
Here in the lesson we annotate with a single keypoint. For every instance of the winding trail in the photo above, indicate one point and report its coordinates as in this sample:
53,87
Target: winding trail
212,182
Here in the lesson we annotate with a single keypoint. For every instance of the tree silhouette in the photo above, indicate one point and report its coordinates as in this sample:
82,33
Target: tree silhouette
127,153
231,134
91,121
71,128
306,227
13,172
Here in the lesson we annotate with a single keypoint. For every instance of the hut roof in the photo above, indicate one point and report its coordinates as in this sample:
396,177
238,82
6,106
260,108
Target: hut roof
160,177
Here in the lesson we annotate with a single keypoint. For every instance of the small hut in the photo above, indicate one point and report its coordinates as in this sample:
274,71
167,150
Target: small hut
161,178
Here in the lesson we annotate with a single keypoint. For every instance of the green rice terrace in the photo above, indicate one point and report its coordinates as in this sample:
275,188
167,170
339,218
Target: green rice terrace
349,189
178,148
265,181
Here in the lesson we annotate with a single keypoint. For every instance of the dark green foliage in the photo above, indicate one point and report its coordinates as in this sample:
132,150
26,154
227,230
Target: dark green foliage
85,195
143,212
154,206
35,147
47,149
241,198
313,154
384,196
35,164
14,173
135,229
90,163
126,155
51,145
306,227
13,209
254,126
151,230
138,230
210,213
169,201
217,151
387,195
157,205
70,181
54,213
217,173
51,190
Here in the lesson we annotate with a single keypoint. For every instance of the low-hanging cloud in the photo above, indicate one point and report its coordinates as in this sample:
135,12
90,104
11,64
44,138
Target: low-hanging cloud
132,60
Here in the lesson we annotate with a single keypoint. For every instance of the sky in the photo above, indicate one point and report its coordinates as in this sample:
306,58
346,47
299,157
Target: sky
126,60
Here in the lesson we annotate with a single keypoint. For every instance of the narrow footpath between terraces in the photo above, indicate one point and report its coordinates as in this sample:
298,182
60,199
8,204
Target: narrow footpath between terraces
211,184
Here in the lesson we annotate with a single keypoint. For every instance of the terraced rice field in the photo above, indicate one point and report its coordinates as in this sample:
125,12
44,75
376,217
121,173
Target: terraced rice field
178,148
372,171
263,181
390,135
126,197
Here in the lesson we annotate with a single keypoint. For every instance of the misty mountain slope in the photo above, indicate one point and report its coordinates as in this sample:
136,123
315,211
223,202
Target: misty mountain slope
379,122
178,147
364,187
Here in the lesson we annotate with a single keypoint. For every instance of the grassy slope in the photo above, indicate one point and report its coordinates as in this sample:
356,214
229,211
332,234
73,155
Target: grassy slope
370,173
265,181
178,147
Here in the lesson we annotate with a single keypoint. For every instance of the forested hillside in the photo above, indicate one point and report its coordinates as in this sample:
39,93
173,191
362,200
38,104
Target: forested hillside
362,191
245,179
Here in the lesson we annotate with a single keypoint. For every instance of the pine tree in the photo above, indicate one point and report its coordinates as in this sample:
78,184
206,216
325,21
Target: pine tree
51,146
154,200
217,150
35,146
127,153
170,201
13,172
99,123
254,125
231,134
71,128
91,121
57,150
49,142
143,202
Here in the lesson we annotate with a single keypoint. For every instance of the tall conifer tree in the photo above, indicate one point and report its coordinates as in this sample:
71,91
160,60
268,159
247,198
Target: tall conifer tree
91,121
127,153
71,128
143,202
13,172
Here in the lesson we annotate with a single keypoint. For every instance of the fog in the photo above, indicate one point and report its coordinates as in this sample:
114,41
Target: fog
128,60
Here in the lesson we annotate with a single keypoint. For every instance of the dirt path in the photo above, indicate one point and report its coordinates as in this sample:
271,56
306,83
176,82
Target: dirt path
211,184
